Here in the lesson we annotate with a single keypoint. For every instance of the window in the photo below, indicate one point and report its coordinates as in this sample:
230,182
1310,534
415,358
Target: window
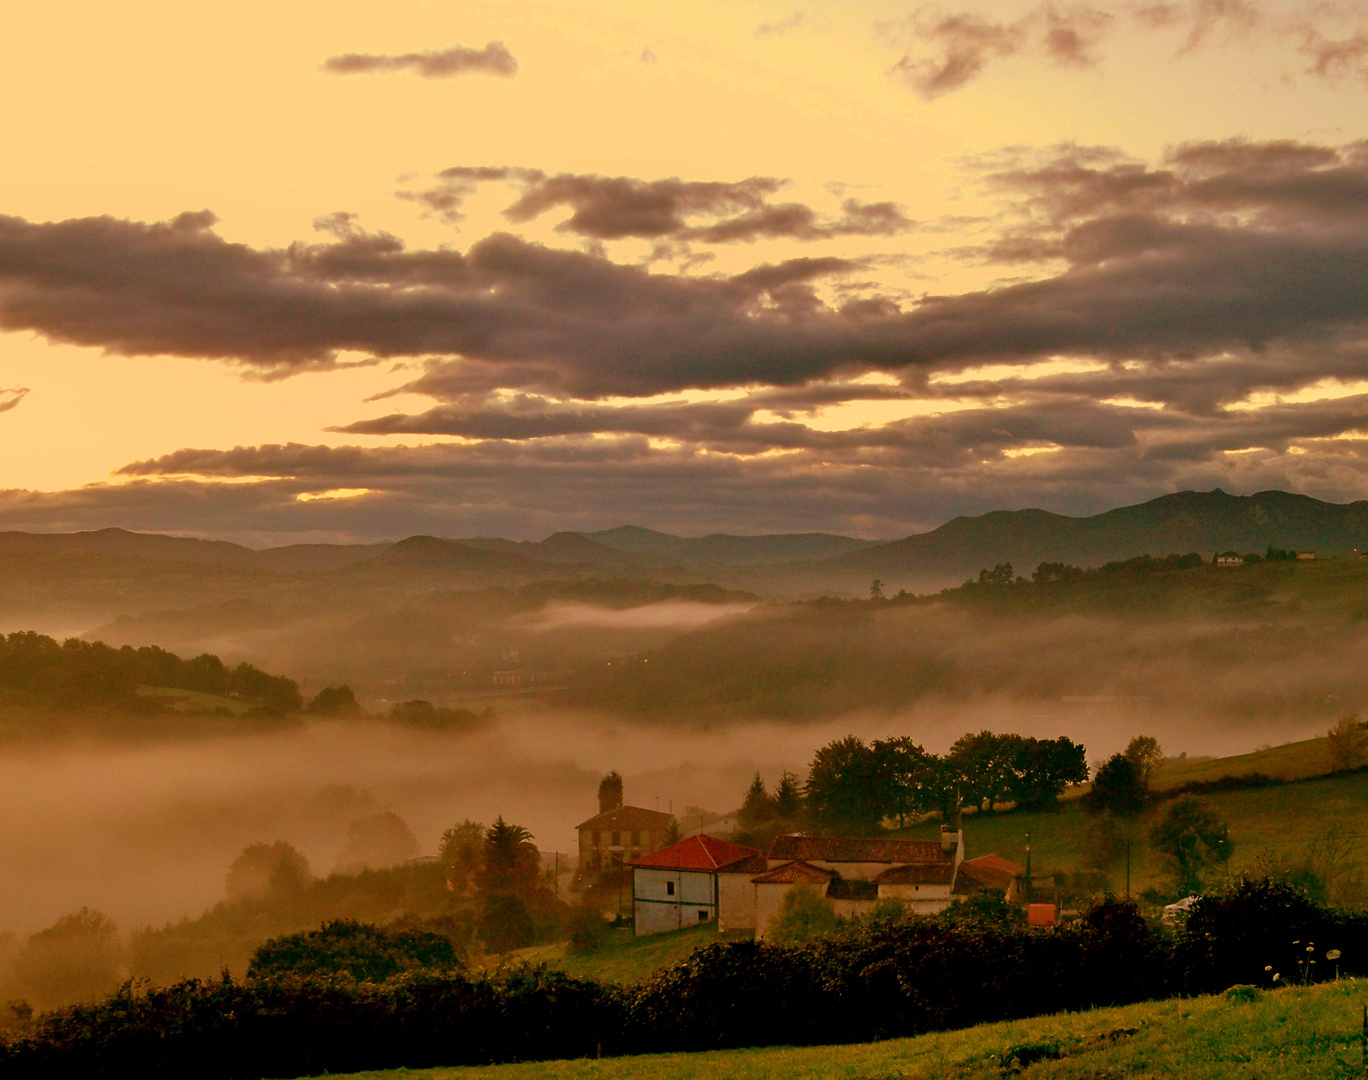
702,915
669,888
615,838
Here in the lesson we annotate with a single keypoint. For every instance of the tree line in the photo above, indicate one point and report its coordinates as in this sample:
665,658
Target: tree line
858,788
74,672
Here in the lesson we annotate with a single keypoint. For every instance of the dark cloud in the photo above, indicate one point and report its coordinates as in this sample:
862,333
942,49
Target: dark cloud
11,396
617,207
950,50
1223,247
493,59
780,26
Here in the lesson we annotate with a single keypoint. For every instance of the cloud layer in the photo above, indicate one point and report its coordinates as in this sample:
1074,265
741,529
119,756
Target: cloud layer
493,59
1202,320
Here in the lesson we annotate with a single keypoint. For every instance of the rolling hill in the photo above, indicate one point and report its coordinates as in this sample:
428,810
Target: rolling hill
1205,522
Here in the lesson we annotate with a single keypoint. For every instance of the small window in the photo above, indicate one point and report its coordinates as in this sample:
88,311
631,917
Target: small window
615,839
702,915
669,888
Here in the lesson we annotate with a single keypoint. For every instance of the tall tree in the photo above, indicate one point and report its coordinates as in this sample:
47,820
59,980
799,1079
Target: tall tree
1044,768
462,854
1118,789
788,799
905,778
512,863
610,792
843,791
757,808
1191,837
1145,754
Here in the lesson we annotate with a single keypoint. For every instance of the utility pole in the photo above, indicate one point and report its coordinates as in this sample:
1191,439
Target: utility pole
1029,890
1128,867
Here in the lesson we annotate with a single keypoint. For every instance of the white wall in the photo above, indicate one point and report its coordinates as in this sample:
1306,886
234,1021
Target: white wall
657,909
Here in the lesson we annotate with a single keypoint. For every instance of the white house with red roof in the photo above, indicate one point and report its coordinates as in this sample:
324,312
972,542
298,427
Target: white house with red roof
700,879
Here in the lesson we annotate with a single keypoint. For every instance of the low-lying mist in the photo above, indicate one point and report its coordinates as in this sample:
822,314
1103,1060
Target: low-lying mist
145,831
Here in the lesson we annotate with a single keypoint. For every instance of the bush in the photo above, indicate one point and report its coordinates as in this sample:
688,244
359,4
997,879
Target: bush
366,953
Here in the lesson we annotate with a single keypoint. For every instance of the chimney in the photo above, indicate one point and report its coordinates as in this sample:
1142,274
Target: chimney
951,840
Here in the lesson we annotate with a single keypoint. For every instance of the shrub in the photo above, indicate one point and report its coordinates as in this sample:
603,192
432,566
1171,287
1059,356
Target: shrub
364,952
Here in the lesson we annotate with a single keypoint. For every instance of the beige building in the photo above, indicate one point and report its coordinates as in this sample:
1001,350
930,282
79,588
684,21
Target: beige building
613,839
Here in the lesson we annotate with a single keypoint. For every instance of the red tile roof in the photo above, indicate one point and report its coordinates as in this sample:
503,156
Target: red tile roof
701,852
633,818
919,874
794,872
858,849
991,871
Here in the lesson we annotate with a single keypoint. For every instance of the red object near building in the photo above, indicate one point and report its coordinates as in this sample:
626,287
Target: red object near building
1040,914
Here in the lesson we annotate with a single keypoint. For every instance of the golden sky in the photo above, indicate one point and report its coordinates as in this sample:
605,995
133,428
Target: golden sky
961,121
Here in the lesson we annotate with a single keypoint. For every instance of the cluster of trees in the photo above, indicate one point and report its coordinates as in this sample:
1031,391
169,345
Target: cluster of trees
497,872
75,672
1190,837
880,977
856,787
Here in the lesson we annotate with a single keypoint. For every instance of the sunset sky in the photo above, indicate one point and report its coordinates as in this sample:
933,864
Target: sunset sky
304,271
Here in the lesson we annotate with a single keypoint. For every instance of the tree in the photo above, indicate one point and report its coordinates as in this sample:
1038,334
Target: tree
74,959
905,777
1117,789
1191,837
1145,753
803,913
876,590
843,791
1043,768
511,862
462,853
788,799
333,701
376,841
610,792
1001,574
1348,743
985,765
260,870
757,808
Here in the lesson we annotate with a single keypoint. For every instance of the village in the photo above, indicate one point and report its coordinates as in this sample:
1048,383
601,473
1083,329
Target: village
703,878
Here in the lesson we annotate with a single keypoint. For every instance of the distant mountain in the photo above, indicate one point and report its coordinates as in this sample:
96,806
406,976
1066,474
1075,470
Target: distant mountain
1205,522
122,544
723,549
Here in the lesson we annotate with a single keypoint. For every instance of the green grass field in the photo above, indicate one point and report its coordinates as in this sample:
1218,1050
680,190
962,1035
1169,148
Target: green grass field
194,701
1311,1033
1279,822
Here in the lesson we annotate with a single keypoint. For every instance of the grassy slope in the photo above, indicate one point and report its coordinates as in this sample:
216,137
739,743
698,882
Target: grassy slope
1278,821
1296,1032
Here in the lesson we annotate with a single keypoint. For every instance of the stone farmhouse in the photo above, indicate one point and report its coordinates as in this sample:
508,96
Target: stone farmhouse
704,879
613,839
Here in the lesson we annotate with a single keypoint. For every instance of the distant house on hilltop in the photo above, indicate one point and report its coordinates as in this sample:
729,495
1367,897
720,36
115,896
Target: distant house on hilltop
614,838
